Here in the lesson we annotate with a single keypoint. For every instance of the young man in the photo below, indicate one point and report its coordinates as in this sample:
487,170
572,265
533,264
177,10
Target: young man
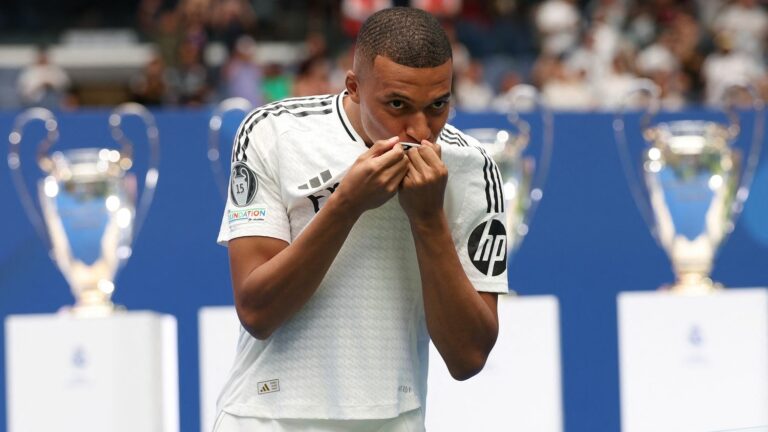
349,251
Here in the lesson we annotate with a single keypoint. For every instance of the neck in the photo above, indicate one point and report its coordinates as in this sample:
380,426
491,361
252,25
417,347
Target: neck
353,114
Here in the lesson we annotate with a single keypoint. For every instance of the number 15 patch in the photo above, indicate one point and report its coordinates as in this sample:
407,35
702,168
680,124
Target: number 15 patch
243,184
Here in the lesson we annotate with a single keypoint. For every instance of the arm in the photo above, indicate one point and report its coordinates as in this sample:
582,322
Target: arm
462,322
272,280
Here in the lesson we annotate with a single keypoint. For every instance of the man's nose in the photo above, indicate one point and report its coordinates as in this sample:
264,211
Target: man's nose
418,128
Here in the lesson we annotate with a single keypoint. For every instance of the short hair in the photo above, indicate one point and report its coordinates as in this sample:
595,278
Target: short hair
407,36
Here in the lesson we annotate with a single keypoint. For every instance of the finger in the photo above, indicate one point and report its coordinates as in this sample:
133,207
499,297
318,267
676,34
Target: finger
392,156
430,155
382,146
434,146
416,158
396,171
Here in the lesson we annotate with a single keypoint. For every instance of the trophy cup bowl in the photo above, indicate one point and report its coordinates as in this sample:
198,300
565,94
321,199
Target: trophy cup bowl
694,187
215,125
522,179
88,205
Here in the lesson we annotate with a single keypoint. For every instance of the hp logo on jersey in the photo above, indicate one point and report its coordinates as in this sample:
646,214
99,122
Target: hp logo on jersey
487,247
242,184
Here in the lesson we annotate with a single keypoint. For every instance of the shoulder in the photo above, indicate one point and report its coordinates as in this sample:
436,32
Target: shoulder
266,123
472,167
288,113
458,147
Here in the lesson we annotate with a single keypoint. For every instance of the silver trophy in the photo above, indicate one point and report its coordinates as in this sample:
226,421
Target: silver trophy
88,204
692,184
522,175
215,124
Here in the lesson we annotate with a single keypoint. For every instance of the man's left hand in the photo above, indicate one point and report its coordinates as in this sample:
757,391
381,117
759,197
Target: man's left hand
423,188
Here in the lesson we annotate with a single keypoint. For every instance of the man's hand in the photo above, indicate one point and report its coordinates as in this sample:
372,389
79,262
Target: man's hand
423,188
374,177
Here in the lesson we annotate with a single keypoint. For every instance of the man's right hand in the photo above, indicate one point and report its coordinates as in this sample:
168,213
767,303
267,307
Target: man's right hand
374,178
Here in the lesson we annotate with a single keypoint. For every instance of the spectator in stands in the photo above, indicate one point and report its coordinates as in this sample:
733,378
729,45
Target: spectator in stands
612,90
242,76
231,19
472,92
557,23
276,84
343,63
658,63
189,81
727,67
442,9
461,56
504,102
167,35
641,25
150,87
43,83
313,78
567,89
354,12
747,22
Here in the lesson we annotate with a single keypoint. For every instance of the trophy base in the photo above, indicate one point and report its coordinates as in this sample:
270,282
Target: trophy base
99,310
702,286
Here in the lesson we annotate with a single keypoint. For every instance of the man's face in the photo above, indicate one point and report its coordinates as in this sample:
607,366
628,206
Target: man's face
411,103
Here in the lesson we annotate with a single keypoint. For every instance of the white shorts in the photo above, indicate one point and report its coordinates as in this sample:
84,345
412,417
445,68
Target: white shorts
411,421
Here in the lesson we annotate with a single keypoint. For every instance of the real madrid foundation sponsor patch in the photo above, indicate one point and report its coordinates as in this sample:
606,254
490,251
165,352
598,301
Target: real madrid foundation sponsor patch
246,215
243,184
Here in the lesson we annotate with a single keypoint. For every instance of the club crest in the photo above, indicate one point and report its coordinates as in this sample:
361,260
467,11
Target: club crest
242,184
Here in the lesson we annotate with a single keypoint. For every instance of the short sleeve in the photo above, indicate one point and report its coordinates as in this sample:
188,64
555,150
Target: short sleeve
475,207
254,198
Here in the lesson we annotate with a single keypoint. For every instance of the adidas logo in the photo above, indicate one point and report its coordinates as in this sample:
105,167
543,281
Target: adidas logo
270,386
317,181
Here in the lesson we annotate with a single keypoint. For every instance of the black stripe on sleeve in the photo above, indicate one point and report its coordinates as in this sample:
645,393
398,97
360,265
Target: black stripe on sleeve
492,180
296,110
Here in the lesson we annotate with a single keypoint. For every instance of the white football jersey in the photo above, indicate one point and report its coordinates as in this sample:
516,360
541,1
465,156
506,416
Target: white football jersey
358,348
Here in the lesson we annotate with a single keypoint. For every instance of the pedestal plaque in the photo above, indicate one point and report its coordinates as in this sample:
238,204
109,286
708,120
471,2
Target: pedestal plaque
520,387
693,362
117,373
219,330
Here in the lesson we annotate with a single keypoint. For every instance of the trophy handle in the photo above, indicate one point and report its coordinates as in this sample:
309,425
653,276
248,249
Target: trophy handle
649,88
521,93
214,130
43,160
126,153
755,147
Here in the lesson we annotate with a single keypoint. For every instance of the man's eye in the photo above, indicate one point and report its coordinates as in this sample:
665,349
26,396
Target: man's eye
396,104
439,105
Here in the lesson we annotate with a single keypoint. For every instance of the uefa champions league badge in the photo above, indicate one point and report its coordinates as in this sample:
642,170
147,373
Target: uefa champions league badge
242,185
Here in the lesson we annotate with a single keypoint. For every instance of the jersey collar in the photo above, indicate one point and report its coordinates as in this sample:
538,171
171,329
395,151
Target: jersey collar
342,113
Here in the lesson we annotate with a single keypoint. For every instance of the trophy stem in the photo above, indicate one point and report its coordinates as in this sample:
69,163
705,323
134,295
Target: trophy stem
91,303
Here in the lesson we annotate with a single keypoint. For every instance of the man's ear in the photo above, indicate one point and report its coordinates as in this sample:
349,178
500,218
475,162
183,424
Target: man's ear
352,87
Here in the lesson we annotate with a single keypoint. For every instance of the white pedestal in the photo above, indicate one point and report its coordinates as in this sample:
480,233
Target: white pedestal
117,374
520,387
693,363
219,330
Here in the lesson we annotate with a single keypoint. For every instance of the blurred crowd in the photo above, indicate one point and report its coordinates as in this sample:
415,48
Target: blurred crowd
581,55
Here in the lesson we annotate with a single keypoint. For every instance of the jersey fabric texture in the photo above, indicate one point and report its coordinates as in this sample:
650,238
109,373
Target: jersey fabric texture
358,348
411,421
